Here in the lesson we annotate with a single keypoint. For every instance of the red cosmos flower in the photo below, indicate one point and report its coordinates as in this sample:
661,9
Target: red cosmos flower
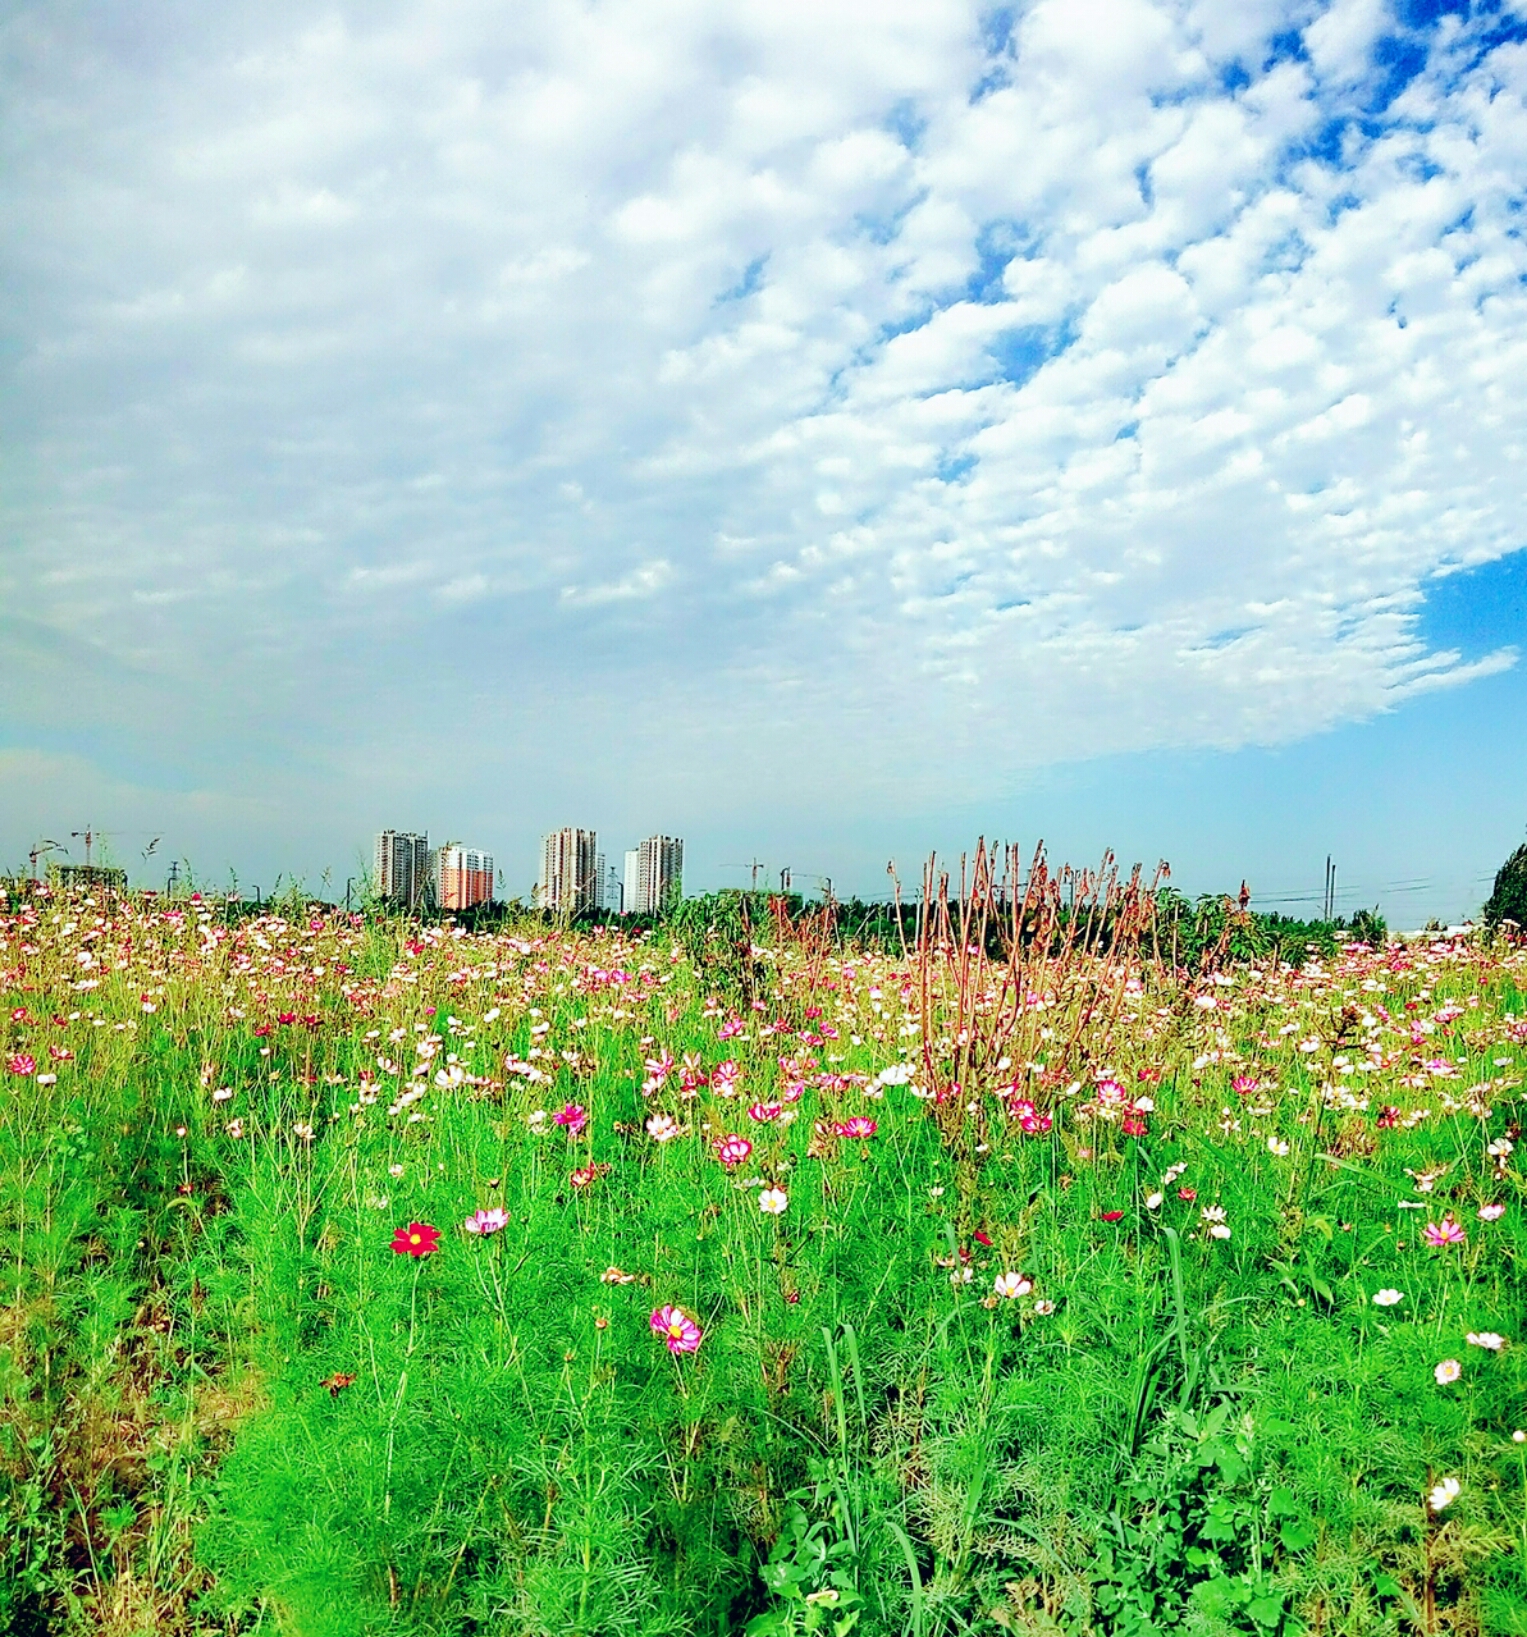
20,1015
1389,1117
981,1239
286,1017
417,1239
1189,1194
261,1030
1113,1216
585,1174
1133,1125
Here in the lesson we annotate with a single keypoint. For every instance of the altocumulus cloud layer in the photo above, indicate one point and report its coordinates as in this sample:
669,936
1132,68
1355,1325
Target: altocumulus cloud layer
900,392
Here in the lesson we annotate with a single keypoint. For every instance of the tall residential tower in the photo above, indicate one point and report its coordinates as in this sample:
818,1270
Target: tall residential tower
569,883
402,868
659,874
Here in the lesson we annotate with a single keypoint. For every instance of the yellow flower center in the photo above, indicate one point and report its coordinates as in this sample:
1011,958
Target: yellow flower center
415,1239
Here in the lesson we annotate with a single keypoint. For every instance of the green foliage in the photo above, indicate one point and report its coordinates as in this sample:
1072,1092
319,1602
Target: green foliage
1508,897
226,1404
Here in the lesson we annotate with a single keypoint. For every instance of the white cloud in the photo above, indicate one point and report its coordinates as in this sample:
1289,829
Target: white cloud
797,367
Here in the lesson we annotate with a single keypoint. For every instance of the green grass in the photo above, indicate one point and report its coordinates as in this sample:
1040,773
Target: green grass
226,1404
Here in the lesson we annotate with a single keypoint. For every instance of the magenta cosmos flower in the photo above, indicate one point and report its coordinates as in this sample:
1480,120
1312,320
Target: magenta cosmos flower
22,1063
860,1127
575,1116
1445,1232
487,1221
733,1150
680,1333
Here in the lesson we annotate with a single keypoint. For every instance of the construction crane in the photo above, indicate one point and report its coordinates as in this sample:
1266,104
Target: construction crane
41,850
755,867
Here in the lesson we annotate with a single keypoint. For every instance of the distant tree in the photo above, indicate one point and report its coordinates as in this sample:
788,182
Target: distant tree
1508,902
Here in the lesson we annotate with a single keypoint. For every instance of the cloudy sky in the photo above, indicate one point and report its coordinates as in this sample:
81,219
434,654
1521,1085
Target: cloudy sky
820,430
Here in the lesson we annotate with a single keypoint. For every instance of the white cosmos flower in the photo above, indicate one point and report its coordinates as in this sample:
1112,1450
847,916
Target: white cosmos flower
1012,1285
1387,1298
1444,1494
772,1201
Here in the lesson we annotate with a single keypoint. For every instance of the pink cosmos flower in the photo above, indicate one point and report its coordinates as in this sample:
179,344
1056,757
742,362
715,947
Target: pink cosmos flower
1445,1232
1491,1213
724,1078
21,1063
680,1333
733,1150
574,1116
1243,1085
487,1221
662,1128
730,1029
764,1112
860,1128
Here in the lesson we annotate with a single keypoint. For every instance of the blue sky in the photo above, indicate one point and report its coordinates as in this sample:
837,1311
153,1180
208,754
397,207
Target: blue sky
823,432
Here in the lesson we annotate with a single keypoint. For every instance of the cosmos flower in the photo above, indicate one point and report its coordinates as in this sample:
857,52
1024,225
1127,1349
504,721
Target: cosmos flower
1444,1494
679,1332
1491,1213
772,1201
574,1116
1445,1232
732,1150
662,1128
487,1221
417,1239
1044,1308
764,1112
1487,1339
1012,1285
1448,1372
1387,1298
860,1127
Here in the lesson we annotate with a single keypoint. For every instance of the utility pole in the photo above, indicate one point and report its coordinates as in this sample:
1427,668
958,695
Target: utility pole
1329,905
174,878
784,879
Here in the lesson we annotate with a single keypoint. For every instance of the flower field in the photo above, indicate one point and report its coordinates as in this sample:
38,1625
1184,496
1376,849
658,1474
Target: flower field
369,1277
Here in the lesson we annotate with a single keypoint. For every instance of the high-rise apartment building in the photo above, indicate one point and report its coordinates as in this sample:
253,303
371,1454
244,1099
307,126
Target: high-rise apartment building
402,868
631,877
568,881
659,873
463,877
